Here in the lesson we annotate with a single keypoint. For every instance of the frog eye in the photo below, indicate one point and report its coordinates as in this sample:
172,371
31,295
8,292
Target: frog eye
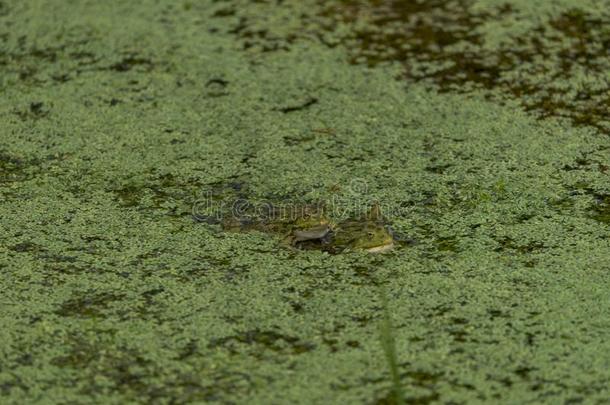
370,234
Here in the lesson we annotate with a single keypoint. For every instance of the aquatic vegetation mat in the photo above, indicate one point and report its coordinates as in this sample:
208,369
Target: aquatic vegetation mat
459,150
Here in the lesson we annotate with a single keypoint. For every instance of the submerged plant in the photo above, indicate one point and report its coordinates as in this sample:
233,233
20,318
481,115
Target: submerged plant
389,347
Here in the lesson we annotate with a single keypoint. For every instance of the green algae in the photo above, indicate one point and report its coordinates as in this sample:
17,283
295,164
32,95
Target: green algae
117,116
555,67
445,43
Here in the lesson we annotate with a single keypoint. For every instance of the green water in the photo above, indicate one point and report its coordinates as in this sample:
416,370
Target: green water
481,127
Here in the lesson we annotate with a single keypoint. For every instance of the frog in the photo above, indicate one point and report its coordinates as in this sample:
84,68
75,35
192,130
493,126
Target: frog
309,228
358,236
367,233
294,224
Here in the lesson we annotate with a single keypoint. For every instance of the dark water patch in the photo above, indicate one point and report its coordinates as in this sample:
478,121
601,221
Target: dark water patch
531,263
4,9
84,57
129,195
509,244
61,63
438,169
447,244
190,349
26,247
440,310
418,378
29,62
420,35
88,304
524,372
80,354
132,62
255,38
103,366
422,378
16,169
45,54
525,216
173,195
601,208
398,30
265,339
496,313
36,110
297,299
207,264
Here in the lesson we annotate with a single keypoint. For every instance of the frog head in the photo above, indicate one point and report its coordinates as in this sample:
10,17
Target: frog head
368,233
375,239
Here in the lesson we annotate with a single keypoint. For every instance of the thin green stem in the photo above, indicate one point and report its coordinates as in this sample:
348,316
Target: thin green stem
389,347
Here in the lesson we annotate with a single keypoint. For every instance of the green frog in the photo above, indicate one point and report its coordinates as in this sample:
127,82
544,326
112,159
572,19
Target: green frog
366,233
308,228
